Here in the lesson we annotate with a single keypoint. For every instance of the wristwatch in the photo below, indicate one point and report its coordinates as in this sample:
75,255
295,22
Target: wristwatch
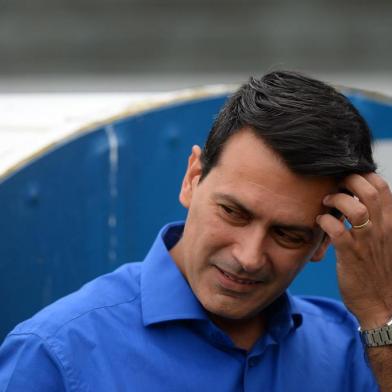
377,337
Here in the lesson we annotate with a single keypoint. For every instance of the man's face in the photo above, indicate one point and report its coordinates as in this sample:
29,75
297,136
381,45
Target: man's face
250,227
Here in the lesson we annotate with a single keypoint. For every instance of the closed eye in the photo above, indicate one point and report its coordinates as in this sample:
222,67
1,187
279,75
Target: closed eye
289,238
233,214
227,209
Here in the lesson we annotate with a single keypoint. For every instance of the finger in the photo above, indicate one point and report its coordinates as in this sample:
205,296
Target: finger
382,187
350,207
386,199
335,229
367,194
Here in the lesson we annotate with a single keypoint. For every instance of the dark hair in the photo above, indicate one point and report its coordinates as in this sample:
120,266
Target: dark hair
311,126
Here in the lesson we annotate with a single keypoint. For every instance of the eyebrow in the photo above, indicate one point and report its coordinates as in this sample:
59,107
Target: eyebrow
308,230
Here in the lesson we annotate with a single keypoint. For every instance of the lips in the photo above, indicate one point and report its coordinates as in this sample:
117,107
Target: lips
233,278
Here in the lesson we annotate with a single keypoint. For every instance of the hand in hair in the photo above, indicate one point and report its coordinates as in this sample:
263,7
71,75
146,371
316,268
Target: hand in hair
364,258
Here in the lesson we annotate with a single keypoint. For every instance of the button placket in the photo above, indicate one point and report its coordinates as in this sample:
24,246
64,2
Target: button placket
253,361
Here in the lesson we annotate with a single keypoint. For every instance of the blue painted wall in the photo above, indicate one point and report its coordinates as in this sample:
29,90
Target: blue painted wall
98,200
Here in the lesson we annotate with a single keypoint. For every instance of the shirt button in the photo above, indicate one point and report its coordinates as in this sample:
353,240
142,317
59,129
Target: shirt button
252,362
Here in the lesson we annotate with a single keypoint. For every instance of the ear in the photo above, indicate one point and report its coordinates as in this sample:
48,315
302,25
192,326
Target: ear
191,178
322,248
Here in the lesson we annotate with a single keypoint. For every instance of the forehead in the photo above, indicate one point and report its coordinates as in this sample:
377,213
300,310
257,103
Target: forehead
252,172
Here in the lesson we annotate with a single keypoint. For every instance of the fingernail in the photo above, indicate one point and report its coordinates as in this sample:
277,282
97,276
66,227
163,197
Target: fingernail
326,199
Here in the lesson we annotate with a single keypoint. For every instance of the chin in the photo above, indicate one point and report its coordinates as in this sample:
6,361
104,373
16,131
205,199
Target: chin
225,307
227,312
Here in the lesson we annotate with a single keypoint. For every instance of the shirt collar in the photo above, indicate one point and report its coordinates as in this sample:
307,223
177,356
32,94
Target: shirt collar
283,316
165,293
167,296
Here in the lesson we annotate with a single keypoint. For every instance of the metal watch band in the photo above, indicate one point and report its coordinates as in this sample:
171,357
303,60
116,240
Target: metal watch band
377,337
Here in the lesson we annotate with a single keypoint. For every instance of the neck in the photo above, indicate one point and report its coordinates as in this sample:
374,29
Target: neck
244,333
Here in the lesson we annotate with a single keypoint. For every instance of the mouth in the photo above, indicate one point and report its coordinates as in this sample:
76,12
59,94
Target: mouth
238,280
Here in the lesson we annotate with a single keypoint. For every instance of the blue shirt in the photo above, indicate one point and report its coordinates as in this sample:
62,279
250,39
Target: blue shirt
141,328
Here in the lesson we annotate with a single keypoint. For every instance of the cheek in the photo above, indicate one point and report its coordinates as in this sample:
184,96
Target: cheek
212,241
220,237
212,230
288,263
211,244
291,270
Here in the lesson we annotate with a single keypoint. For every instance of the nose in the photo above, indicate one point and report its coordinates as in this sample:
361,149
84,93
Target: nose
250,249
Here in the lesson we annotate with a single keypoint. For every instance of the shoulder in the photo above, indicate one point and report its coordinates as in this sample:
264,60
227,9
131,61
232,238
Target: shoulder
117,290
324,308
329,328
328,337
87,325
326,314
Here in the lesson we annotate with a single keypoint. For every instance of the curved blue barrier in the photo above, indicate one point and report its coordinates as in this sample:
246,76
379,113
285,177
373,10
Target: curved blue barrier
98,200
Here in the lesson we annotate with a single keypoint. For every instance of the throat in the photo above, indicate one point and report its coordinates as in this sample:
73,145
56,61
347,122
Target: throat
243,333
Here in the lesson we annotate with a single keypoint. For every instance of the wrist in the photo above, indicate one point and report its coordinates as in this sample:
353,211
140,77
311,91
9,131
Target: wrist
377,337
371,317
374,320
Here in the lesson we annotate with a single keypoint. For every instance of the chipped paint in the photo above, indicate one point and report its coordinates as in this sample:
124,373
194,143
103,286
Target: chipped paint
135,106
113,191
113,159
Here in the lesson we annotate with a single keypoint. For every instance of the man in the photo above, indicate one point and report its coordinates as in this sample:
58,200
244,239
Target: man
287,162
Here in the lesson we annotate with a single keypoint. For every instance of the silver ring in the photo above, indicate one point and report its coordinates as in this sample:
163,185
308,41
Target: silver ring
362,226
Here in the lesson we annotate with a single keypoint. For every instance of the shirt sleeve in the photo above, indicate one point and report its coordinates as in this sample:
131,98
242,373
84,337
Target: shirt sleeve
27,364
